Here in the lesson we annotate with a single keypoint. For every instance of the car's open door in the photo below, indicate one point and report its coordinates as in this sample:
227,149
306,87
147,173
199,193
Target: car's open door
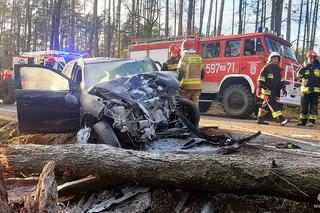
46,101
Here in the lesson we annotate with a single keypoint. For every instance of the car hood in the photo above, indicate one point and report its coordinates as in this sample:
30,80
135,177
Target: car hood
138,87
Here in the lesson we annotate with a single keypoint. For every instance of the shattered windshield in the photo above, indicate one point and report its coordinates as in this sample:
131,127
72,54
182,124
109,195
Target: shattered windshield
275,46
105,71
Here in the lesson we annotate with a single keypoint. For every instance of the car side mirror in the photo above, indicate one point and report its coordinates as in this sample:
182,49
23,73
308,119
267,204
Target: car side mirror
71,100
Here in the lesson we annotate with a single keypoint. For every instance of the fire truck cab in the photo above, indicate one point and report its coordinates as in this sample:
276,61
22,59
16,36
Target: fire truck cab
232,65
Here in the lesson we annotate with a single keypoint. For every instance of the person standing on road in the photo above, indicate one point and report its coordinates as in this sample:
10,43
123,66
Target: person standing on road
310,89
191,72
270,84
172,63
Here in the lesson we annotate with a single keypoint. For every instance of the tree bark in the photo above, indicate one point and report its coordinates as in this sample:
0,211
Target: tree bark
255,171
72,27
289,21
299,27
180,17
257,16
95,29
209,19
166,29
220,17
202,10
189,21
240,17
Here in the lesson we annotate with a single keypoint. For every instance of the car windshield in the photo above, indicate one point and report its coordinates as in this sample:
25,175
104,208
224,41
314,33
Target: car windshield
109,70
275,46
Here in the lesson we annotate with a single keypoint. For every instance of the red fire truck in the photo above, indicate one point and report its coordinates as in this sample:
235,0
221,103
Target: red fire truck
232,65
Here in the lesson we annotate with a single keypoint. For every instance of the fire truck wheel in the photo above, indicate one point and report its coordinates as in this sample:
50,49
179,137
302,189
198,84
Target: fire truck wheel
238,102
8,94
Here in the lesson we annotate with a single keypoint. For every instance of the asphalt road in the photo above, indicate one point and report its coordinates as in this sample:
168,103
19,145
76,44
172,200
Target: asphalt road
8,111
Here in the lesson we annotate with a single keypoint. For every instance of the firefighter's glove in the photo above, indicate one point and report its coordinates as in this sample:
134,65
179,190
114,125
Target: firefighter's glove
258,92
265,97
284,92
181,75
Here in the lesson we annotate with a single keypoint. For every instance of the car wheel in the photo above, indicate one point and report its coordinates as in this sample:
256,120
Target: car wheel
238,102
104,134
8,96
189,110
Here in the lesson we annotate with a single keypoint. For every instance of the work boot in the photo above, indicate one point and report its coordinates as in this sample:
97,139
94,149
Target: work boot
302,122
311,123
282,120
261,121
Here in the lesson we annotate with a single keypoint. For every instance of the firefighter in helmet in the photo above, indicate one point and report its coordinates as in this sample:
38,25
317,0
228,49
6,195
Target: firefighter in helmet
310,89
191,71
270,84
172,63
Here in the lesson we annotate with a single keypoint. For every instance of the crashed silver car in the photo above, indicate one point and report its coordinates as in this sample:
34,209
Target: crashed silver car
120,102
131,110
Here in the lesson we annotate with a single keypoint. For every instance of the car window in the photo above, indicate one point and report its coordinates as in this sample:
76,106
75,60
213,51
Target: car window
77,74
253,46
37,78
68,69
211,50
233,48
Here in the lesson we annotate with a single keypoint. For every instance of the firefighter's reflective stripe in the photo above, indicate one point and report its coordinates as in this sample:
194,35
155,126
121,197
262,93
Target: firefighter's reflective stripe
305,89
266,92
316,89
172,66
312,117
307,72
270,75
196,60
317,73
303,116
190,82
261,78
276,114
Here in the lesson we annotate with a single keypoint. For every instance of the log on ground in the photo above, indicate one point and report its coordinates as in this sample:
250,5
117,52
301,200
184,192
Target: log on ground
250,171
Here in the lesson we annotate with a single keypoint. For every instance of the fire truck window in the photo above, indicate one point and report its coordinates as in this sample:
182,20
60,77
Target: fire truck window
211,50
253,47
233,48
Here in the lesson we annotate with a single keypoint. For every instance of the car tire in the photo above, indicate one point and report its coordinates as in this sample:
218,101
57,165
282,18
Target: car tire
104,134
238,102
189,110
8,95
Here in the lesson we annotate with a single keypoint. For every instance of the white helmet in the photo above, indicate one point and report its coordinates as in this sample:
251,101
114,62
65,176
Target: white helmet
273,54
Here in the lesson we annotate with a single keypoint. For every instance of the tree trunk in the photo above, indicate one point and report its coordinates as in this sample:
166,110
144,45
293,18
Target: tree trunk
119,27
202,10
209,19
278,16
189,21
304,47
72,27
299,27
257,16
314,24
180,18
28,19
289,21
95,29
273,10
215,18
220,17
240,17
166,29
232,25
257,171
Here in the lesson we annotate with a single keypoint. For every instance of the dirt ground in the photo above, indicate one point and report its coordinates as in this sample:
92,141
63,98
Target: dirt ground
167,200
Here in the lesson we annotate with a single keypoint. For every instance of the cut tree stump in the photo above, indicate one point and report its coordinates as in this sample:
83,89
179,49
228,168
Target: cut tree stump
251,171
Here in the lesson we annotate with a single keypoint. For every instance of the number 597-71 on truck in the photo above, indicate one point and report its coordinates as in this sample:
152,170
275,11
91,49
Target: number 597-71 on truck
232,65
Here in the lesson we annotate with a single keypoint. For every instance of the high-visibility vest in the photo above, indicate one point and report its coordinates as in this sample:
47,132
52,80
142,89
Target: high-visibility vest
192,65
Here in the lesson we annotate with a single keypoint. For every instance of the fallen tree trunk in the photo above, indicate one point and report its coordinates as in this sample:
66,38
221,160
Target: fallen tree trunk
254,171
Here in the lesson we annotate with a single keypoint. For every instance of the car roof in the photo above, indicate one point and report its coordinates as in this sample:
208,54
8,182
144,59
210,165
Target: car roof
102,60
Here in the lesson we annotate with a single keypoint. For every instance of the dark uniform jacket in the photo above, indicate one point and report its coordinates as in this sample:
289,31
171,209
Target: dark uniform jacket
310,77
171,64
270,80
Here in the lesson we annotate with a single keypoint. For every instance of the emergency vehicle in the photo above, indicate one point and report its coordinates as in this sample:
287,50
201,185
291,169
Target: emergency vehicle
232,65
58,59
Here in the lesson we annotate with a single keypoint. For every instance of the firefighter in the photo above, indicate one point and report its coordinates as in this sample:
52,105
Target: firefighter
310,89
172,63
191,72
270,84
